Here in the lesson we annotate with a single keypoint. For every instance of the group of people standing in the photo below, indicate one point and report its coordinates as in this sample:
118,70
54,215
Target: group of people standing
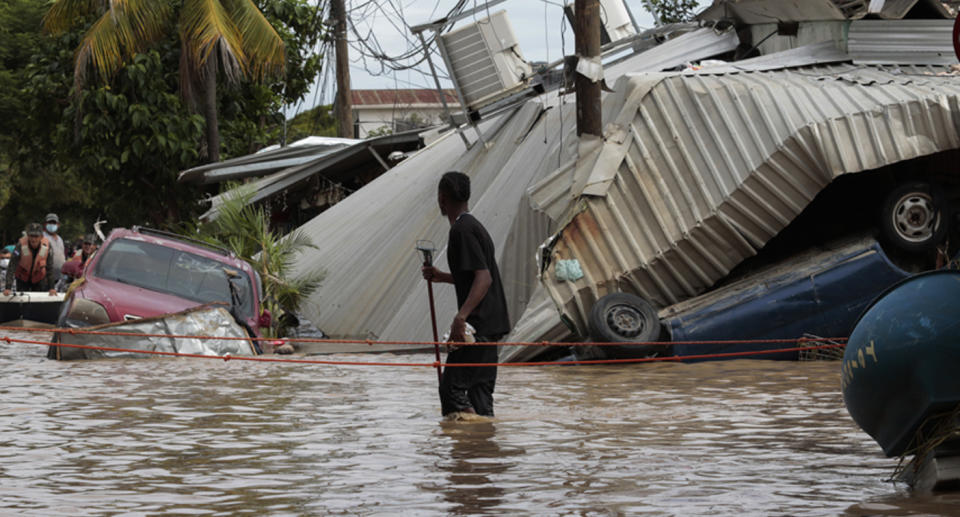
41,261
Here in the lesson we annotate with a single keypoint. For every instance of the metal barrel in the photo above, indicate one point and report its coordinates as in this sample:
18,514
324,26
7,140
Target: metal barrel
901,364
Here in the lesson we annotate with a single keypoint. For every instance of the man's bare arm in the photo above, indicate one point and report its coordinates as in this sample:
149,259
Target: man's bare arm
478,289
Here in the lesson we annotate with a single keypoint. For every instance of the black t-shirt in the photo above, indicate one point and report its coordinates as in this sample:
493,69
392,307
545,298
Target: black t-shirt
470,249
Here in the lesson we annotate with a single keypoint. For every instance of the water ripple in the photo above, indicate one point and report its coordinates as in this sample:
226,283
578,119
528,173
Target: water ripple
143,437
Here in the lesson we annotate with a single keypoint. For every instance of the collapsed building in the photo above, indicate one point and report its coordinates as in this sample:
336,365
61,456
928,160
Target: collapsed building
717,135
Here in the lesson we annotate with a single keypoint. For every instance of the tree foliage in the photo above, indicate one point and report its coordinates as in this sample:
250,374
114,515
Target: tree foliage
245,229
671,11
114,151
231,39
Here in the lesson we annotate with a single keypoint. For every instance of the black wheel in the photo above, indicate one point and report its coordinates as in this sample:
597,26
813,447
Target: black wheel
623,318
914,218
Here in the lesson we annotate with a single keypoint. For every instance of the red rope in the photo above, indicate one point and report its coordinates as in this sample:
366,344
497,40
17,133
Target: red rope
433,364
369,342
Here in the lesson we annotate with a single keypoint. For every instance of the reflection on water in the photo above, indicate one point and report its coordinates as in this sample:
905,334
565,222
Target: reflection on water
210,437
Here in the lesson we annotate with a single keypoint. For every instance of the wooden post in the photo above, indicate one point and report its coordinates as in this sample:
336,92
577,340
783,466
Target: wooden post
343,103
587,34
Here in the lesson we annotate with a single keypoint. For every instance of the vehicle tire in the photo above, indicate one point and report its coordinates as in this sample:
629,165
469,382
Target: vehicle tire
623,318
914,218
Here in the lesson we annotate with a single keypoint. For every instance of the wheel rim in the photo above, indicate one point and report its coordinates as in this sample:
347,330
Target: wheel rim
915,217
625,321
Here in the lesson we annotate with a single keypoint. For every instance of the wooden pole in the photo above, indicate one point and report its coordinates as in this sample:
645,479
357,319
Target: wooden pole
343,103
587,35
436,338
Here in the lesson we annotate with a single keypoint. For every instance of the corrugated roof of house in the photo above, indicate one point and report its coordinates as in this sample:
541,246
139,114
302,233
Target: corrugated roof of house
403,97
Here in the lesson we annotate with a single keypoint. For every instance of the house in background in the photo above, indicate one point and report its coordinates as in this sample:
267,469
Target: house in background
395,111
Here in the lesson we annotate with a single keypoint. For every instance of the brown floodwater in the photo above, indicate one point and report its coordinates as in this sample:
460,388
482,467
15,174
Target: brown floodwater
208,437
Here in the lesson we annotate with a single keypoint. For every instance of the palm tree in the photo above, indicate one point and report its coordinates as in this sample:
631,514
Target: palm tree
228,36
245,230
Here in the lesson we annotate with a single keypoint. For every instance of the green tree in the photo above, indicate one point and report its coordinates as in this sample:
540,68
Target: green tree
19,38
671,11
245,229
318,121
229,38
118,160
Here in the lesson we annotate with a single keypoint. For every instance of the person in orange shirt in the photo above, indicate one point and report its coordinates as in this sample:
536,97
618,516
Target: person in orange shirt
31,264
73,268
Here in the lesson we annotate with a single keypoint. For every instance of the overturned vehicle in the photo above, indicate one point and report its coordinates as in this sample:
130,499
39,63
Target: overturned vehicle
731,147
705,175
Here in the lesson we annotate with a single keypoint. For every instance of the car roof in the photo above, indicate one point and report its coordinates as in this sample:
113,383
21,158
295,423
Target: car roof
174,241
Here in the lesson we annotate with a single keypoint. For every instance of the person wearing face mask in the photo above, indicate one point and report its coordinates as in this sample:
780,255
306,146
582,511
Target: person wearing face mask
31,263
51,227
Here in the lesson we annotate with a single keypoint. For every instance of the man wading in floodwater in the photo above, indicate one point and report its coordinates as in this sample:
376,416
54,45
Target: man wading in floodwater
474,274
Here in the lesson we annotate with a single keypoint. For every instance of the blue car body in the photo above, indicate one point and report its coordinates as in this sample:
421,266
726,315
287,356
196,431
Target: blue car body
820,293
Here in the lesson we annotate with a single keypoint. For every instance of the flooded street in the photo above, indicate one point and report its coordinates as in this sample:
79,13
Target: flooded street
208,437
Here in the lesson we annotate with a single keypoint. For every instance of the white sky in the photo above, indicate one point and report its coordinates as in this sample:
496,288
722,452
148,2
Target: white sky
536,24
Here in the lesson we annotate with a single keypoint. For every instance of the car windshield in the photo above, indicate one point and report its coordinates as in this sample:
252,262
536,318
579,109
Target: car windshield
175,272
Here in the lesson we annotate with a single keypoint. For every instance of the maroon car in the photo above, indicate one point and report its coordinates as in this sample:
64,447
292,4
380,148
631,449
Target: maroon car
141,272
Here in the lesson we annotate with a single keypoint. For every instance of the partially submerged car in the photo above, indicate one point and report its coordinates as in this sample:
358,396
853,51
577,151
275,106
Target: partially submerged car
819,294
144,273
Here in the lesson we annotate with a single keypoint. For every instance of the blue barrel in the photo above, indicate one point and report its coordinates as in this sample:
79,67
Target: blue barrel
902,362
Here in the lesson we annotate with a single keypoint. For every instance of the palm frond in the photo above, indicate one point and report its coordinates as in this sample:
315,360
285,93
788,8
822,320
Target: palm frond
244,228
124,28
64,14
205,28
102,49
264,48
142,20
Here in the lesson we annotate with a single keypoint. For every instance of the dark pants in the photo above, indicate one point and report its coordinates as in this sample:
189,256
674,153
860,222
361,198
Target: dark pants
466,388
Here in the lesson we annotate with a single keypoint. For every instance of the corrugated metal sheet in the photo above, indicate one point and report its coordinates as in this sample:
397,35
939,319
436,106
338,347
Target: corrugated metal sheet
407,97
366,242
330,166
921,42
264,162
816,54
897,9
764,11
700,171
690,47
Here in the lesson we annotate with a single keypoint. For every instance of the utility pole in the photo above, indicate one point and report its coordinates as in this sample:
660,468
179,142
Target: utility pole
587,34
343,102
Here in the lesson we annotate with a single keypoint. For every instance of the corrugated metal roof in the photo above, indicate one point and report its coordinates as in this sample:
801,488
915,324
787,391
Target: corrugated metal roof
816,54
766,11
402,97
334,165
366,242
762,144
263,162
700,171
690,47
897,9
927,42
